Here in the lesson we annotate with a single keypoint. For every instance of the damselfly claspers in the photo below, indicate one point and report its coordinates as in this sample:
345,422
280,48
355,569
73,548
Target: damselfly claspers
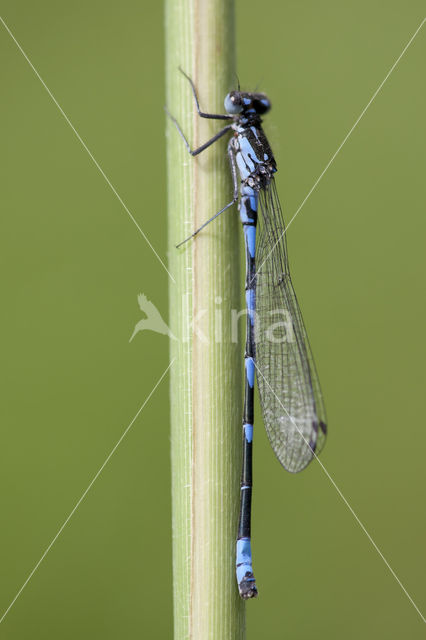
279,352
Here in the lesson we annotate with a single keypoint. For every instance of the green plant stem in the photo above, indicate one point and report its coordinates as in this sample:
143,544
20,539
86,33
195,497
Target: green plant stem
205,377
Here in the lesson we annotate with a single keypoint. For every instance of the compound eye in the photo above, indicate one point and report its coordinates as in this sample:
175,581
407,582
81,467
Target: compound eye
233,103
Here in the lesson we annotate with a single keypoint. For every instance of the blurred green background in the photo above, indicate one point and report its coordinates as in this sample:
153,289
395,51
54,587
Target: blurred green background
72,264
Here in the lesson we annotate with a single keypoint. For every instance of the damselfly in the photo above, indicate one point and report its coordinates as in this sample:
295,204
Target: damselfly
279,352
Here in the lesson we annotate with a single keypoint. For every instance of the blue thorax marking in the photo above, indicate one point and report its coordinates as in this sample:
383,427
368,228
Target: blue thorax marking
255,133
245,166
247,149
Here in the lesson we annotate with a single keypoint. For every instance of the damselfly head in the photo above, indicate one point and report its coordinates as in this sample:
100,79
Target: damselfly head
247,103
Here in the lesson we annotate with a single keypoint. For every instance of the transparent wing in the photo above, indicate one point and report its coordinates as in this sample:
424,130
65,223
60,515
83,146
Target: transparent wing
290,394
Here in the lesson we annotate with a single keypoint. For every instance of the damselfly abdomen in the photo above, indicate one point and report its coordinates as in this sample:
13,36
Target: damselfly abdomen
277,346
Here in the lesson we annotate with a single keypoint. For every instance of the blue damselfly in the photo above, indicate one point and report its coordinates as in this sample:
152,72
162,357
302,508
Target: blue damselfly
290,395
